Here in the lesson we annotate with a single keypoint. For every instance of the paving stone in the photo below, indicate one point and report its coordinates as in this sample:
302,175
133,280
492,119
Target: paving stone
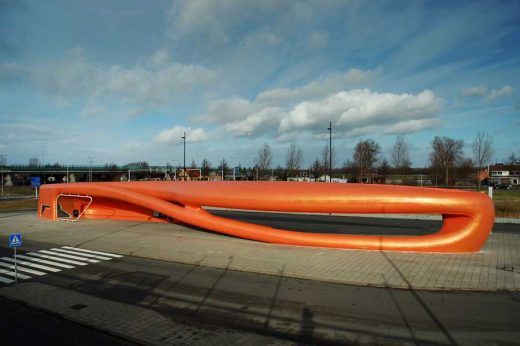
173,242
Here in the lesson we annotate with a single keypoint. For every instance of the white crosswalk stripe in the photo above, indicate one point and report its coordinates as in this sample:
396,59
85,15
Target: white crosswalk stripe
54,260
11,273
69,256
29,264
61,265
93,252
23,269
6,281
78,253
65,260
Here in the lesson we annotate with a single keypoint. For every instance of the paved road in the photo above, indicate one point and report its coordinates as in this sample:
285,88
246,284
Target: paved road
301,310
347,224
21,325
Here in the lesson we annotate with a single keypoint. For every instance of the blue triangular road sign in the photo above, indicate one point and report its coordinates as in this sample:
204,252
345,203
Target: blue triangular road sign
15,240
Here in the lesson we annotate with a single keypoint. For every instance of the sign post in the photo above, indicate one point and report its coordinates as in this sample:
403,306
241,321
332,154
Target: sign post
15,240
36,182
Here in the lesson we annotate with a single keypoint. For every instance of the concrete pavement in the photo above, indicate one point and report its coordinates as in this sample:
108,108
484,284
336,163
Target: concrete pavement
496,267
131,323
160,302
350,298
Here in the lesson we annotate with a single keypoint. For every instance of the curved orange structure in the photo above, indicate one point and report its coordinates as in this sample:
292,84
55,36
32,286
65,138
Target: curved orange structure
468,217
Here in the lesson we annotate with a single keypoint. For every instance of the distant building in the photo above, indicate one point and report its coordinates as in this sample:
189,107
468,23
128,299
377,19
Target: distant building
190,174
503,174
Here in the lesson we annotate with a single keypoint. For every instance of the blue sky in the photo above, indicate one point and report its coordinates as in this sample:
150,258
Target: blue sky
122,80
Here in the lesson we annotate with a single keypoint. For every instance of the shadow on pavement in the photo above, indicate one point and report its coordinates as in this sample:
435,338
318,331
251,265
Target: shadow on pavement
421,302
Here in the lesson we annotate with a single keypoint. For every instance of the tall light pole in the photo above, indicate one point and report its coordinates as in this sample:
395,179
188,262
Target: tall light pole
184,139
330,150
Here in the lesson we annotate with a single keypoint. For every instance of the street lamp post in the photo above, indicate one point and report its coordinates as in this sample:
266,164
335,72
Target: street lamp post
330,150
184,139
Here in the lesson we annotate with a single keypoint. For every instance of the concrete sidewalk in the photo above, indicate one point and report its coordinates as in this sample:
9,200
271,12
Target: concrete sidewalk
134,323
496,267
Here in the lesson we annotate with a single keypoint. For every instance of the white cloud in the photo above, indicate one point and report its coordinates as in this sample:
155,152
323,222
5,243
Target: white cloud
318,40
160,83
317,88
413,126
31,132
488,94
160,57
94,111
222,21
475,91
173,135
256,123
262,38
12,72
360,108
227,110
243,117
277,111
400,127
496,93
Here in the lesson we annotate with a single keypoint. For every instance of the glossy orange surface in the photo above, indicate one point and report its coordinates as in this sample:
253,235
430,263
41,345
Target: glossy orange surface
468,217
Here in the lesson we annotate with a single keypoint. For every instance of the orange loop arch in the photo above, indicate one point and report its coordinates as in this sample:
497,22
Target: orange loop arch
468,217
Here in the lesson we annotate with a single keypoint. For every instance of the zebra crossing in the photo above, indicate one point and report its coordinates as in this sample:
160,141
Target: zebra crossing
54,260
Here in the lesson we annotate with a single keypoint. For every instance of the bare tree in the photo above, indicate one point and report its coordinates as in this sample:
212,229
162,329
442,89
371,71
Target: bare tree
399,156
512,159
294,159
223,168
34,162
465,169
325,153
366,155
435,157
205,167
482,150
316,168
3,160
446,153
349,167
264,158
383,170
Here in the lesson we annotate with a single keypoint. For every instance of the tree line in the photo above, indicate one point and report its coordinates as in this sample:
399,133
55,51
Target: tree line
446,157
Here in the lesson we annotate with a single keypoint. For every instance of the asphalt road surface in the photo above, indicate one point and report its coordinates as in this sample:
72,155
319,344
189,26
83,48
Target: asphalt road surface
22,325
300,310
346,224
